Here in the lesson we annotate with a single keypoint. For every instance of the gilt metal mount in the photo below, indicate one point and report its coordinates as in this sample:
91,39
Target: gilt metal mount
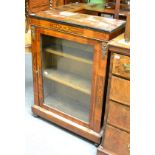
104,48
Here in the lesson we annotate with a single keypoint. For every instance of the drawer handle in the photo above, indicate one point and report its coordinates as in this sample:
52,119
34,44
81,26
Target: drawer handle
126,67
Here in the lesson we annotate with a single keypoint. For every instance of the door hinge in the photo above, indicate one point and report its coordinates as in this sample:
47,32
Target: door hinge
33,32
37,71
104,48
41,100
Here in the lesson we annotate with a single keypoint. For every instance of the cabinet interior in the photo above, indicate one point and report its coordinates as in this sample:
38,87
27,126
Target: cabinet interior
67,76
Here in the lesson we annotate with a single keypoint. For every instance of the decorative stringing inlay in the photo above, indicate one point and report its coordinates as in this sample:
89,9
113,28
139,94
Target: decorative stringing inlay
66,28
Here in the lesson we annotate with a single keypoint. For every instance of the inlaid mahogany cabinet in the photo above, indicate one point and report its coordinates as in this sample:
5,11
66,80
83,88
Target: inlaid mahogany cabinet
69,68
116,135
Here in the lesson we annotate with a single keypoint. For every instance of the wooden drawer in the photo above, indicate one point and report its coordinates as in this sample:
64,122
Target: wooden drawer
120,90
116,141
119,115
121,65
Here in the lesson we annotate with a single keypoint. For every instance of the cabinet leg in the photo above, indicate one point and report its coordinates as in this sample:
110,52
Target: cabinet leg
34,115
96,144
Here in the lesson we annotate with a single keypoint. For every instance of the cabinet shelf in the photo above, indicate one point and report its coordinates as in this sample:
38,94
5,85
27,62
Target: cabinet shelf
68,106
69,79
69,56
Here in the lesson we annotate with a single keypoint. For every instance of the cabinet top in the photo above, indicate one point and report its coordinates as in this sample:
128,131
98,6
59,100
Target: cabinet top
120,42
71,17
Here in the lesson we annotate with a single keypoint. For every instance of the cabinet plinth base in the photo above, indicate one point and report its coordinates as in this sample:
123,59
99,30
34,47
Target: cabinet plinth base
67,124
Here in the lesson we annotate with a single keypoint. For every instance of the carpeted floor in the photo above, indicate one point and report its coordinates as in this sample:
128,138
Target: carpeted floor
45,138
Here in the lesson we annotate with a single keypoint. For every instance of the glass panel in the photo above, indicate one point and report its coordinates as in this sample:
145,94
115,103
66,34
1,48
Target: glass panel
67,73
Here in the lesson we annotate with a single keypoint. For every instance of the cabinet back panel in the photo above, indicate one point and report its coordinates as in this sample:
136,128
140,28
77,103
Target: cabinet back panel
67,56
69,47
66,99
67,65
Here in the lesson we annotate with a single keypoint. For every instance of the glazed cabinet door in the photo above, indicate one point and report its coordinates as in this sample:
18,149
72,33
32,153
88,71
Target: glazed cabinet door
67,76
68,73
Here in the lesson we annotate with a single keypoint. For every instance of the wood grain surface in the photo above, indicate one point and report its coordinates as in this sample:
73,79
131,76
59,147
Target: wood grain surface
117,141
121,65
120,90
78,19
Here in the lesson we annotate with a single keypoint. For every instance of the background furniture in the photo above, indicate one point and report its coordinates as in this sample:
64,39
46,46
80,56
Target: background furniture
69,68
118,8
37,5
127,29
116,135
32,6
95,9
74,1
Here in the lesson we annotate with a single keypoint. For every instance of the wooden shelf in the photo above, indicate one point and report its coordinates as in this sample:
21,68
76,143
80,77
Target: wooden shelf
69,56
69,106
69,79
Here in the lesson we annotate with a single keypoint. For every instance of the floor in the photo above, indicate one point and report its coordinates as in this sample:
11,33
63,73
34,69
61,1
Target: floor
45,138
